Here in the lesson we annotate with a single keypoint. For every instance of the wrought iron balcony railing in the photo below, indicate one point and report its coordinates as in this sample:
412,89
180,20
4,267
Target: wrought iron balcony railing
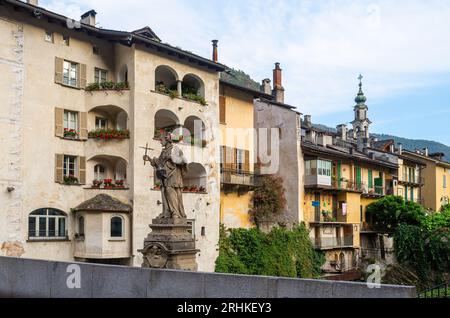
238,177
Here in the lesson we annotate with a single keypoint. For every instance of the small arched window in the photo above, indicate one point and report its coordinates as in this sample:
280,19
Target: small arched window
116,226
47,223
81,226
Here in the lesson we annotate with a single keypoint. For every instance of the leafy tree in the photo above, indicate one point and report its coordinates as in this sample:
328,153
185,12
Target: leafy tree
390,211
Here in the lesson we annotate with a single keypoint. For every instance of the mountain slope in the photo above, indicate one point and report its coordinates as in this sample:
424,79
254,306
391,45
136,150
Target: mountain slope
408,144
413,144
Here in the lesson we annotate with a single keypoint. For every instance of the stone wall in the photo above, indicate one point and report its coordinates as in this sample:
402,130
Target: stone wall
21,277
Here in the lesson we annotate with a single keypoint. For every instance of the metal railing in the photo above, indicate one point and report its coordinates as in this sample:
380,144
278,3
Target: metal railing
411,179
238,177
332,242
439,291
348,185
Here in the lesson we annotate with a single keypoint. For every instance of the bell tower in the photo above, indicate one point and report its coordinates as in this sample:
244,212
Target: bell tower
361,123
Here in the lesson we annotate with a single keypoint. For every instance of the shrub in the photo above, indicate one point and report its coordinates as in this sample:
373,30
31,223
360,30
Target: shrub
282,252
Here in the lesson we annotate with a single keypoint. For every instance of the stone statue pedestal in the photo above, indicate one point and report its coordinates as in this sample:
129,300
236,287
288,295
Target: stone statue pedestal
170,245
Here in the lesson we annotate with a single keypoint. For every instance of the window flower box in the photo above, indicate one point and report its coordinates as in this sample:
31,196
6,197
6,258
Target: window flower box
107,134
172,91
97,183
108,183
119,86
70,180
119,183
70,133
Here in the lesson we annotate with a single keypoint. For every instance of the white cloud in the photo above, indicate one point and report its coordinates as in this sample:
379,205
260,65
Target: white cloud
323,46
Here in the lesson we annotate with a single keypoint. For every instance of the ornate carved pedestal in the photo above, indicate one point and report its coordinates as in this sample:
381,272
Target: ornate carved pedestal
170,245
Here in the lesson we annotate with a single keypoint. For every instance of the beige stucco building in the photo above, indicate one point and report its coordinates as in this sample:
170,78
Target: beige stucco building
79,102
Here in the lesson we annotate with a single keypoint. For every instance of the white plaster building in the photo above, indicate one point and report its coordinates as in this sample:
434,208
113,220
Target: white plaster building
78,102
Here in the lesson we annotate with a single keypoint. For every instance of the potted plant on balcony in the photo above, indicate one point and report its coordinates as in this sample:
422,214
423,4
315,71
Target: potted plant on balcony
96,183
108,184
119,183
157,186
70,133
202,190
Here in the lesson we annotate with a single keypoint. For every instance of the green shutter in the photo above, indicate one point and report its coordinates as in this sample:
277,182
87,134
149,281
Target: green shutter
358,175
339,174
370,179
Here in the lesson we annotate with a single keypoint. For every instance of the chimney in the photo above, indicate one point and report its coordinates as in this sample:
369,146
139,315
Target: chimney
278,90
307,121
33,2
89,18
425,151
215,54
400,149
342,131
265,86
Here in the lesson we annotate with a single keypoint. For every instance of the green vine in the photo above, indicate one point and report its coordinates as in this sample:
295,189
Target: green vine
282,252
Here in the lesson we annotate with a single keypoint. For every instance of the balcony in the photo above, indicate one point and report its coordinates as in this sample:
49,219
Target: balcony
327,183
238,177
332,242
374,192
411,180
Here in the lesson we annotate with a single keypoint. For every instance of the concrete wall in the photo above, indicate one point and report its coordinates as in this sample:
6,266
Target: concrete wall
33,278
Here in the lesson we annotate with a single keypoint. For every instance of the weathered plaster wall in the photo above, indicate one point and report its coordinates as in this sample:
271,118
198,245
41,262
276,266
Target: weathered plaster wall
291,166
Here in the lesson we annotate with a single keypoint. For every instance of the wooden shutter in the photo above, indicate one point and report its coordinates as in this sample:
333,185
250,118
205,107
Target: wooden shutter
82,76
59,70
222,109
233,159
246,160
59,168
230,155
82,170
59,122
83,126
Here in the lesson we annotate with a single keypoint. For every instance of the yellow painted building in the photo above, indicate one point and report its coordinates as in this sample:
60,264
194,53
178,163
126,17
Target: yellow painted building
237,154
436,176
338,187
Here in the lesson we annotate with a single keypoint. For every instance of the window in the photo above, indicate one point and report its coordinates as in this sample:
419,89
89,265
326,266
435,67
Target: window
95,50
324,168
240,158
70,73
66,40
70,120
47,223
100,75
101,123
69,168
48,36
116,226
99,172
81,226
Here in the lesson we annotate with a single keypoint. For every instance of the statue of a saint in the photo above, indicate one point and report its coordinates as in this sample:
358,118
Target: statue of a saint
170,167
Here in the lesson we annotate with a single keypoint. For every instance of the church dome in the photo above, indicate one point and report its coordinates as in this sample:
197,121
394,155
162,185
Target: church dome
360,98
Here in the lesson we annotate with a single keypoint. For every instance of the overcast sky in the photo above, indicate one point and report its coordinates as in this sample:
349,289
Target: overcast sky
402,48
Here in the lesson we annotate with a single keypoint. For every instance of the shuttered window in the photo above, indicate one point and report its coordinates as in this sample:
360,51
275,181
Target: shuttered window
70,73
71,124
70,168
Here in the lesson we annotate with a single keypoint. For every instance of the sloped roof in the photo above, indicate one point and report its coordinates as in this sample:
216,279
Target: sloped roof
103,203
